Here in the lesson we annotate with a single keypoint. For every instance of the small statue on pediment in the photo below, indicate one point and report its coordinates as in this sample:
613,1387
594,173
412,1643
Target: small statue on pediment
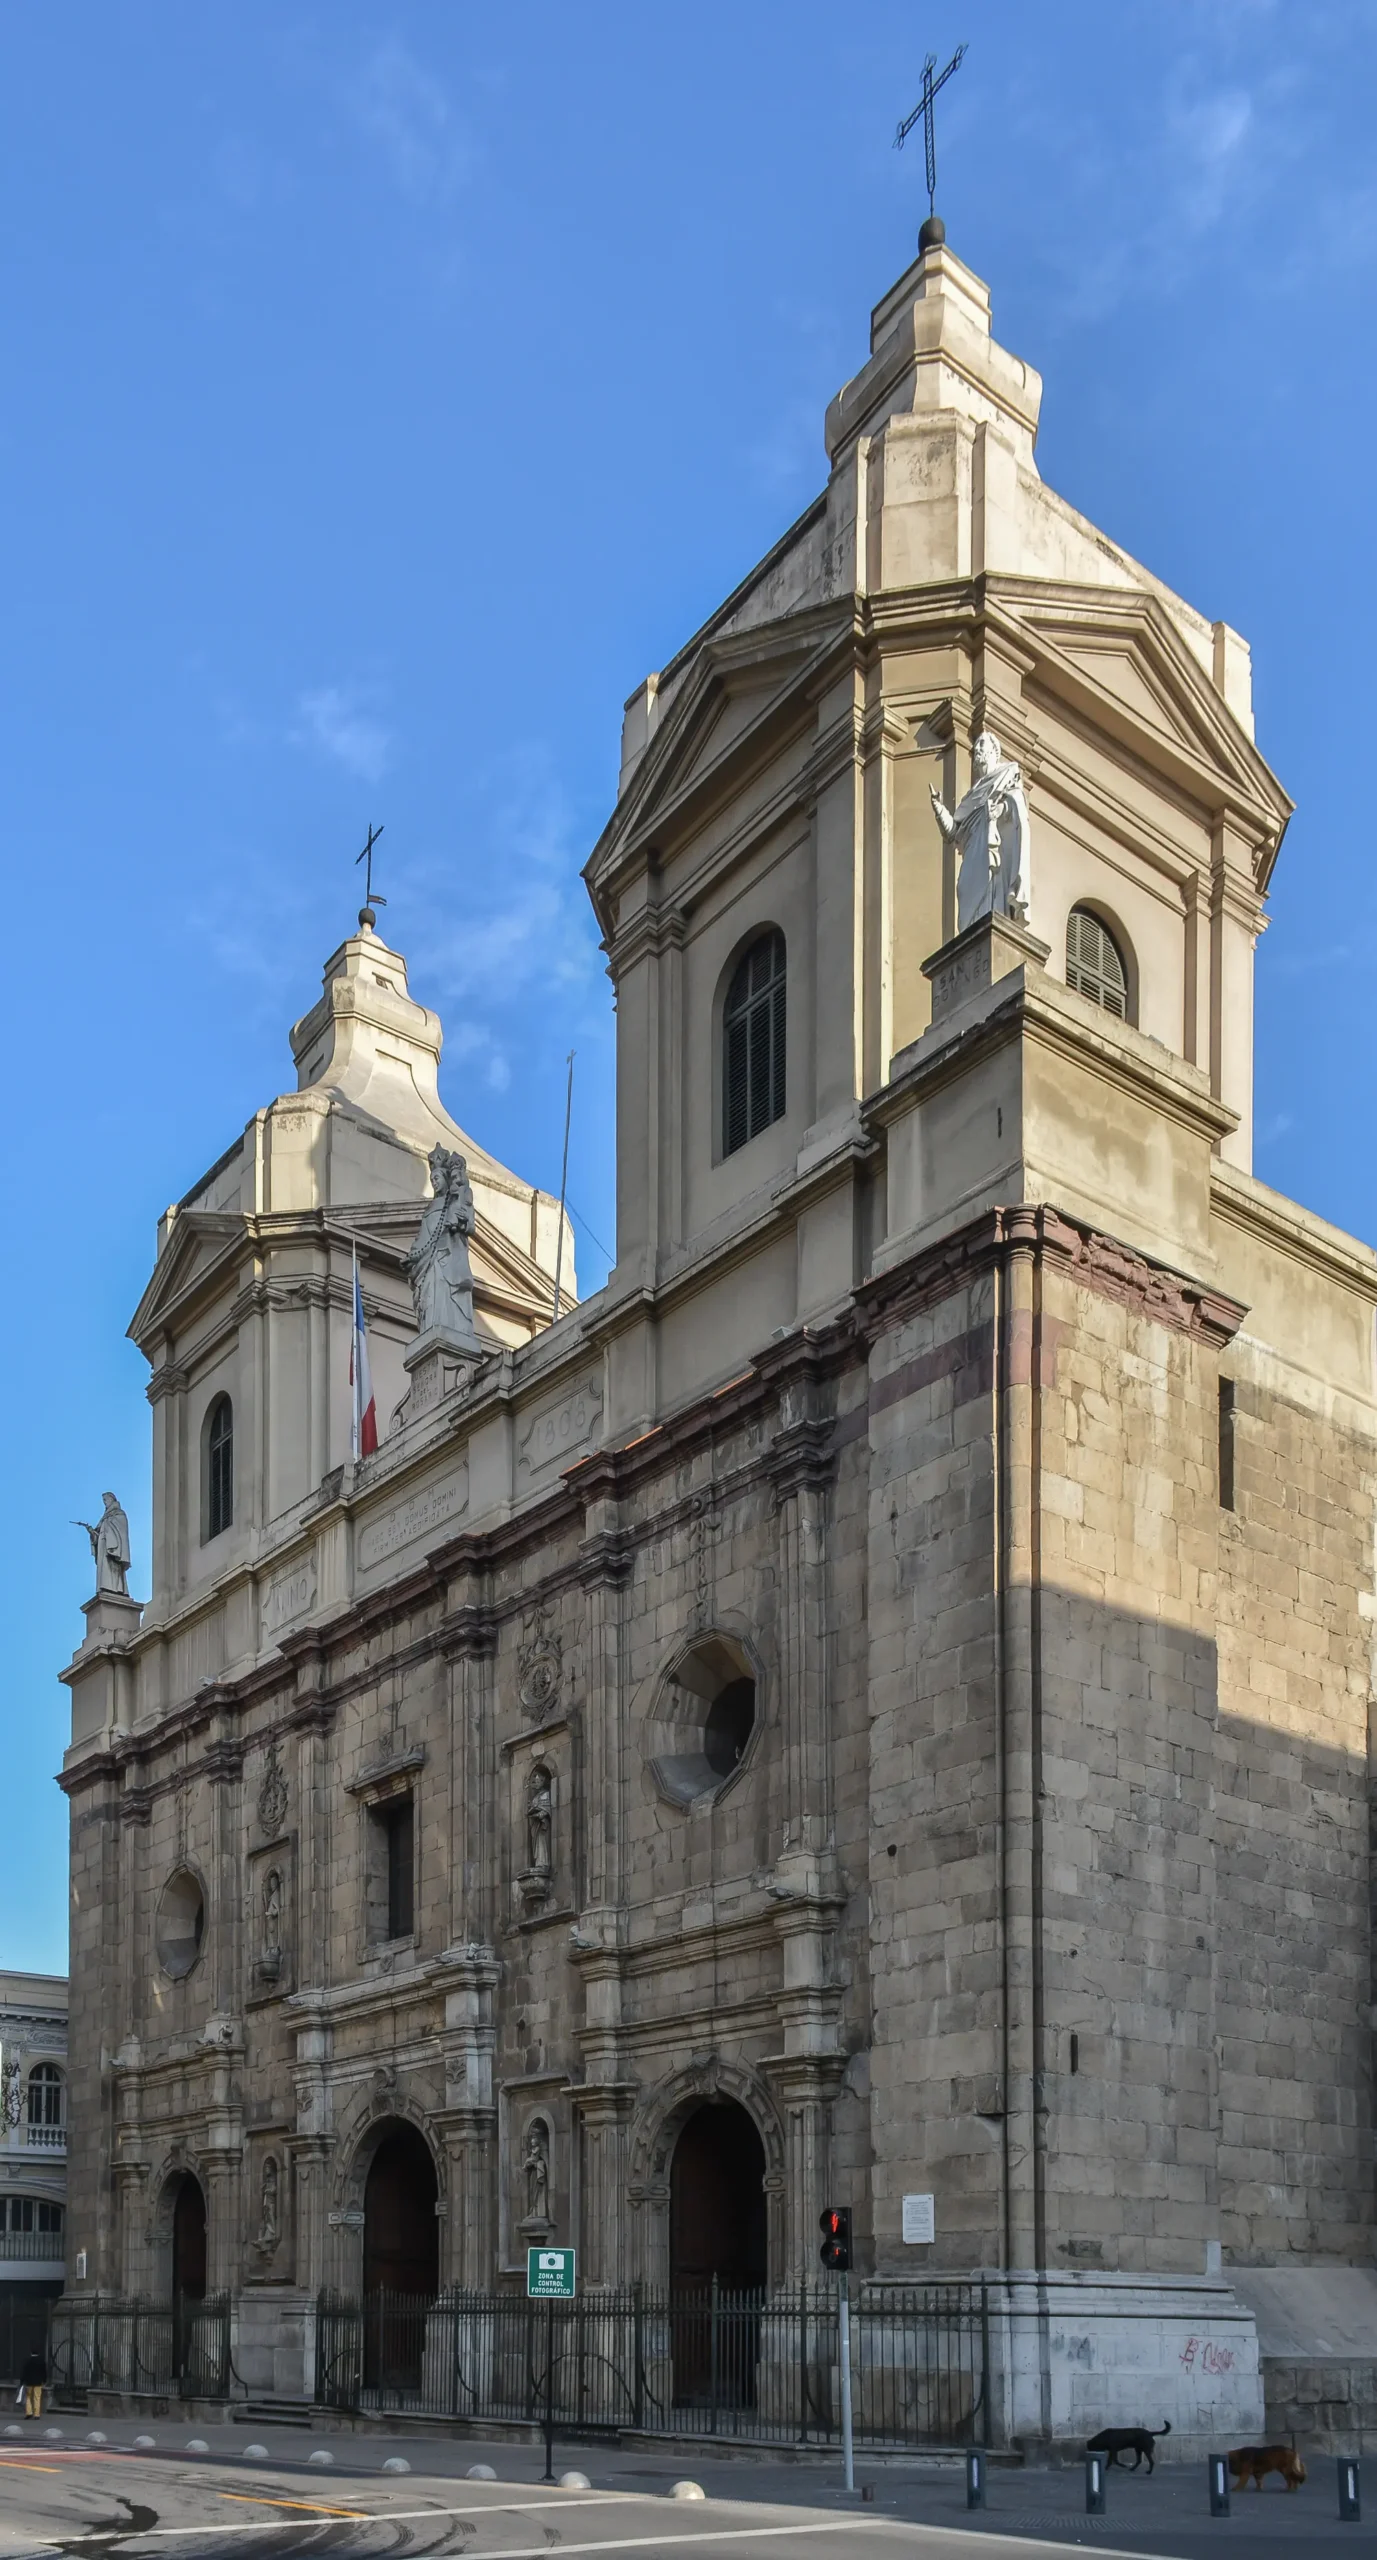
991,831
109,1538
438,1265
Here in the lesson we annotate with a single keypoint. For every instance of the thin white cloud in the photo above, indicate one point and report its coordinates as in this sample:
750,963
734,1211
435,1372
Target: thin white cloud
407,115
331,720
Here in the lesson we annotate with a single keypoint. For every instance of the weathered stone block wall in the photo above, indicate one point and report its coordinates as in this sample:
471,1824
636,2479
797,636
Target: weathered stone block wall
936,2066
1123,1531
1292,1823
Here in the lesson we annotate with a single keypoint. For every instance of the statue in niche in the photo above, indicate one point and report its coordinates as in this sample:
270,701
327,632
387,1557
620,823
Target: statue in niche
270,1962
109,1538
270,2220
13,2098
438,1264
540,1824
991,832
535,2162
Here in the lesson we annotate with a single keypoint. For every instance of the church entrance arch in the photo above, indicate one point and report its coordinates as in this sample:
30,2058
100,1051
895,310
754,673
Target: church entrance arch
188,2240
717,2255
717,2202
401,2259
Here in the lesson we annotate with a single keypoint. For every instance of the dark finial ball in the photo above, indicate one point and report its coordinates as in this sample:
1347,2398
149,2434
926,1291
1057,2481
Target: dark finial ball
933,234
367,918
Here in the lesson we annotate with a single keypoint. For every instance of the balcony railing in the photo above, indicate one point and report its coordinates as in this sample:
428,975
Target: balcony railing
46,2137
47,2245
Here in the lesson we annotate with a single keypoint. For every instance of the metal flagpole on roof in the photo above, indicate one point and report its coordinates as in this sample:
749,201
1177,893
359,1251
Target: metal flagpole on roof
563,1187
354,1379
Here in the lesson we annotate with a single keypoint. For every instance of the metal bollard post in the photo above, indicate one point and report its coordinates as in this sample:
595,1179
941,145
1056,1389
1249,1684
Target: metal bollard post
1350,2504
1094,2484
975,2479
1219,2484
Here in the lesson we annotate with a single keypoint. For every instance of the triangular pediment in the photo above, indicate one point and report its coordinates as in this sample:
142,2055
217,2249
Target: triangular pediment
1121,662
723,713
201,1251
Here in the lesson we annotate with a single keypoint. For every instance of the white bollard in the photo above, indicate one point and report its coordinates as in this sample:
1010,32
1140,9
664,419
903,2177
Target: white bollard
687,2489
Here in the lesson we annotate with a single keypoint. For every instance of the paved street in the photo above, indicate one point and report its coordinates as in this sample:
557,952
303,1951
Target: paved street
162,2501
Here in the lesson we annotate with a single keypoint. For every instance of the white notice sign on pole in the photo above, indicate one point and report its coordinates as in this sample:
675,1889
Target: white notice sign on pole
920,2221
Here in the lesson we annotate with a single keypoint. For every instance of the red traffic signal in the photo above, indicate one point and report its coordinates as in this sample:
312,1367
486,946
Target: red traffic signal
835,2225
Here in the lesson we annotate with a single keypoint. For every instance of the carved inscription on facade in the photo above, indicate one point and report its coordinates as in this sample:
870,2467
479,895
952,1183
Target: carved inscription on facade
559,1432
415,1518
289,1595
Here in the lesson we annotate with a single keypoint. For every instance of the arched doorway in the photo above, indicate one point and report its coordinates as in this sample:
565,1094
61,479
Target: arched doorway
188,2241
401,2260
717,2255
717,2202
188,2276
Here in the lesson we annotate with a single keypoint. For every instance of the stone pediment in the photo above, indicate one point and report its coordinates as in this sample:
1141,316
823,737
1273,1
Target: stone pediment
720,716
1120,663
201,1251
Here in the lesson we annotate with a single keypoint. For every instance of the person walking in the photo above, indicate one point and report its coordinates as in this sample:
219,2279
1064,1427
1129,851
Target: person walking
34,2379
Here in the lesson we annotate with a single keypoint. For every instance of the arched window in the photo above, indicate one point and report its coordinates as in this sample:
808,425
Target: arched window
753,1043
1094,963
45,2098
219,1470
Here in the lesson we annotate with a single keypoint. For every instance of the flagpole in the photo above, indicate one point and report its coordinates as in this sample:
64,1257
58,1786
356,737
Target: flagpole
563,1186
355,1381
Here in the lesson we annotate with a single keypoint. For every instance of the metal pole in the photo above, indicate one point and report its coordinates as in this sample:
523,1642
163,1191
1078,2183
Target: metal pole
563,1186
844,2349
549,2390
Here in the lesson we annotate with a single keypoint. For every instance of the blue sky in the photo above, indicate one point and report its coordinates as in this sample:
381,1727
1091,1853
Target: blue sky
388,388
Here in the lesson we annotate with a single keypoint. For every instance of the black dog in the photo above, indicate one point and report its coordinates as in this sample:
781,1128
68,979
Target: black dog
1134,2440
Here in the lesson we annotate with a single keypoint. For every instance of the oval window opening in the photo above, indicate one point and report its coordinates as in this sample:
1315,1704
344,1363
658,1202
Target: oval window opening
727,1731
181,1924
703,1720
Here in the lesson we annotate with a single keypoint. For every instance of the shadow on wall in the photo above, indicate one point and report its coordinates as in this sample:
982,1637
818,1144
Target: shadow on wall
1199,1881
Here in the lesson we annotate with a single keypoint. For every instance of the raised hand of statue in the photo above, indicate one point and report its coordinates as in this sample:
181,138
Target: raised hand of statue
941,812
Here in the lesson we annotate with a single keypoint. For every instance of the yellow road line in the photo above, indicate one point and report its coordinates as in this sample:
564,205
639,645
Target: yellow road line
308,2506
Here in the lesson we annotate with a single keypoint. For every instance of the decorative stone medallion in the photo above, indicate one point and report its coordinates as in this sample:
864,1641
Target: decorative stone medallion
272,1795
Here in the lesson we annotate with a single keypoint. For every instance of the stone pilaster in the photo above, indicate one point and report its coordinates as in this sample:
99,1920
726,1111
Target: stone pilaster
603,2115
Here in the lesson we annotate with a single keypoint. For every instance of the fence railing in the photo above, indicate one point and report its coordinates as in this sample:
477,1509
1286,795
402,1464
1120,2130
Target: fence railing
48,2245
762,2367
181,2348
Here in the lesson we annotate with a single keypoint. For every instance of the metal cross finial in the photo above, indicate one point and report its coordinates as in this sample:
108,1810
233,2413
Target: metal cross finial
370,899
924,109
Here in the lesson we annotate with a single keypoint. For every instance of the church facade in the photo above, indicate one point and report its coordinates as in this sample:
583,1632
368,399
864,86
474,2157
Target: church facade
871,1705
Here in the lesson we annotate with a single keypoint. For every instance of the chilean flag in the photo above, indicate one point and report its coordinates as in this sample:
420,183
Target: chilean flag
364,1435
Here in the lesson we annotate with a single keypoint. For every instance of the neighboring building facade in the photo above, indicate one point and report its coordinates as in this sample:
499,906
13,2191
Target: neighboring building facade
873,1704
33,2159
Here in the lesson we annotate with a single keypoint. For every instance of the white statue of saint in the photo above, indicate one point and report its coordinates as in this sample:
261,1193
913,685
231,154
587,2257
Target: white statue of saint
438,1264
991,832
109,1538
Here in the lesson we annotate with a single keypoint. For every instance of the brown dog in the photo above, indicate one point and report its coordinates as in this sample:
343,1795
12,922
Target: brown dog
1254,2461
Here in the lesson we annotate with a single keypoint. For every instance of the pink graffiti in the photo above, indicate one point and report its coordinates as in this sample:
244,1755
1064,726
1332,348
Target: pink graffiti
1212,2359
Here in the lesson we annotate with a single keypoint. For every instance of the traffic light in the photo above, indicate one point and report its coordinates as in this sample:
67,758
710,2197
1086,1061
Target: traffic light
835,2225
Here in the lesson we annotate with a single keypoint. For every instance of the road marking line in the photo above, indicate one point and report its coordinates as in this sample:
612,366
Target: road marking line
533,2551
307,2506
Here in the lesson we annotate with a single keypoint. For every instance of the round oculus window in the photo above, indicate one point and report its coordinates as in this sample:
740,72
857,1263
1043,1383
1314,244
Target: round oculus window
181,1924
703,1720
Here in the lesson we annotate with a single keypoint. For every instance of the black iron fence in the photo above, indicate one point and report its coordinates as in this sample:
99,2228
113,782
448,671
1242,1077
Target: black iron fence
762,2367
179,2348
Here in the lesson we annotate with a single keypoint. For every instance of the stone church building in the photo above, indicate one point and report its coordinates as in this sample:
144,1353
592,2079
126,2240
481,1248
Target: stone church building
874,1703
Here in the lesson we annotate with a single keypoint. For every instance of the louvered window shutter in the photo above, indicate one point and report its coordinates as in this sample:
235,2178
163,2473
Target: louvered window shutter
1094,964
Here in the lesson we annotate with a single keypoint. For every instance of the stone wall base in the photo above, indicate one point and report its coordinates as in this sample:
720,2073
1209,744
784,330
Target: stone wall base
1326,2404
1073,2353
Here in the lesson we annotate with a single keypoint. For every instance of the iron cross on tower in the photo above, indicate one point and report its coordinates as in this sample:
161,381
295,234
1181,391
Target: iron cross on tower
931,85
370,897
